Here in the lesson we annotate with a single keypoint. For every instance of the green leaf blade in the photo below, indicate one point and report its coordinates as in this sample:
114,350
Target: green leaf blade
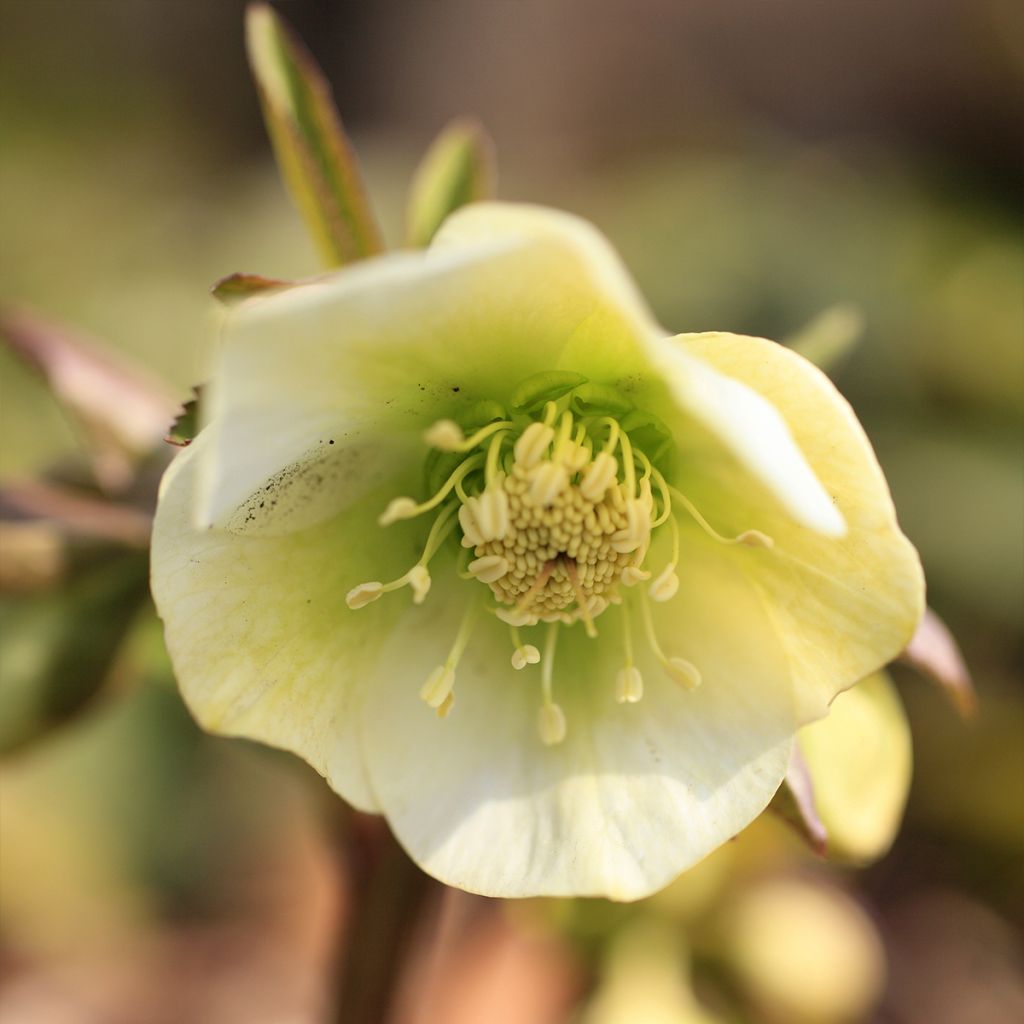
313,152
458,168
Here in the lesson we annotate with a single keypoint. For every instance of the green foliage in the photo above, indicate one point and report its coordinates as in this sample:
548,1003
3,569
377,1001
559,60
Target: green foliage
458,168
314,154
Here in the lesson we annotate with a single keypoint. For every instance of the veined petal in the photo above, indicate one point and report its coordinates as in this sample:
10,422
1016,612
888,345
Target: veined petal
258,632
752,430
371,355
844,606
634,794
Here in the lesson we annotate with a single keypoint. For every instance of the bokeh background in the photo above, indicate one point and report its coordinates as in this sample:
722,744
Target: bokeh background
755,163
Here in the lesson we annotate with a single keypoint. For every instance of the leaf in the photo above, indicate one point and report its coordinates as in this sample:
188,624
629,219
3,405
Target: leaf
121,410
236,287
934,652
458,168
186,424
313,152
830,337
794,803
859,760
60,645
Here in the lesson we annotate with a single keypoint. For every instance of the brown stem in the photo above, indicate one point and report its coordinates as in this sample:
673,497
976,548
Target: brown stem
390,901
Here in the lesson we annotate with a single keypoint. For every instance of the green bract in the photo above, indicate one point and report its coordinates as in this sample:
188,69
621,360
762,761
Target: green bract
637,564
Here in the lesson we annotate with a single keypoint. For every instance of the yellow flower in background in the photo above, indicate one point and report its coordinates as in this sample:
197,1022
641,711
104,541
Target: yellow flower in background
549,589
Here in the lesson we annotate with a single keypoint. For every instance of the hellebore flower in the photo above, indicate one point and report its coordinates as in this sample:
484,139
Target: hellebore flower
549,589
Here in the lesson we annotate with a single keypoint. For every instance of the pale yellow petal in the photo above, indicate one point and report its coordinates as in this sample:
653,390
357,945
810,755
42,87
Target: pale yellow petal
370,356
633,795
860,760
262,643
842,607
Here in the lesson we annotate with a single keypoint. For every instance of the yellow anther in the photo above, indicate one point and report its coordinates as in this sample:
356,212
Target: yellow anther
599,476
398,508
364,594
515,616
685,673
525,655
491,513
632,575
406,508
445,436
438,687
551,724
418,578
629,685
489,568
549,479
665,585
532,444
471,535
574,456
755,539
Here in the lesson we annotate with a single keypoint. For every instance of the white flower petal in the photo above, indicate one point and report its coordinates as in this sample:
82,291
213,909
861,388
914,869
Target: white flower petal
633,795
842,607
752,430
372,355
262,642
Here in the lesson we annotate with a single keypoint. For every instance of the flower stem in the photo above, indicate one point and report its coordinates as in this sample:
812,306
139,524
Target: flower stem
390,903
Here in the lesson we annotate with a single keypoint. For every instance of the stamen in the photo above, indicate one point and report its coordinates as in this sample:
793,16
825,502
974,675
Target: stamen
582,602
489,568
447,436
666,583
532,444
599,476
551,718
523,654
492,513
491,473
685,673
438,690
632,575
406,508
549,480
629,684
614,430
749,538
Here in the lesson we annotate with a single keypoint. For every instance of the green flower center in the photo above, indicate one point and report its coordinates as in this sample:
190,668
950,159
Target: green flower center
557,504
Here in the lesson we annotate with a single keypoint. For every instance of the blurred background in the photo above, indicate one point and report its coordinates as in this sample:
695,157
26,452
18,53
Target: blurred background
755,163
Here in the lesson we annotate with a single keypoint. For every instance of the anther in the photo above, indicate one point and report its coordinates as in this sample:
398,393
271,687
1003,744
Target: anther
665,585
406,508
447,436
548,482
684,672
438,687
632,575
444,435
551,718
748,538
551,724
364,594
532,444
492,513
523,654
489,568
599,476
438,690
629,685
